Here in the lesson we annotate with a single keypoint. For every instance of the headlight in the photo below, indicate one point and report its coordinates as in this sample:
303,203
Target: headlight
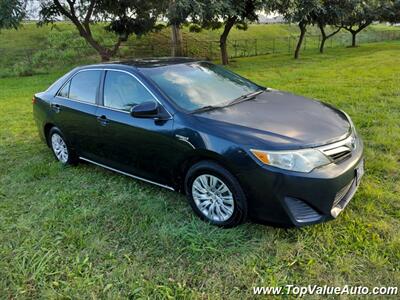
304,160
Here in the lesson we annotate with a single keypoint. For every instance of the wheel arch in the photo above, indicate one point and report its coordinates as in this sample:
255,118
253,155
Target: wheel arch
46,129
195,157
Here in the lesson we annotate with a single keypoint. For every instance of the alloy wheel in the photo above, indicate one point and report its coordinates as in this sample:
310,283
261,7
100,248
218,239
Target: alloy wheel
60,148
213,198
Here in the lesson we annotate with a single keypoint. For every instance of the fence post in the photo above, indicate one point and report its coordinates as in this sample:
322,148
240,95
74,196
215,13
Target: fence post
235,46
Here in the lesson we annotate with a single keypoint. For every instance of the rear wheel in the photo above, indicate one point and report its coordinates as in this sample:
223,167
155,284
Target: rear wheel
62,152
215,195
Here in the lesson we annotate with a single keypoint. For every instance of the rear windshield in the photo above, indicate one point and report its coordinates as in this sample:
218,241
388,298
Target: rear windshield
195,85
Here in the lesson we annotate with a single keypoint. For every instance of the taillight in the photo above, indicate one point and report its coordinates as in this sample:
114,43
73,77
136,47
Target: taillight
33,100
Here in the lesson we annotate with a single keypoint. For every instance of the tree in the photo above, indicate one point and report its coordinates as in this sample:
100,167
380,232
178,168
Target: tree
123,17
301,12
215,14
359,14
328,14
177,14
11,13
391,11
176,19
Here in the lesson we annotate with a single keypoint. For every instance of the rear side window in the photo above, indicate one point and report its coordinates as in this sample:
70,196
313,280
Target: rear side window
83,86
64,92
122,91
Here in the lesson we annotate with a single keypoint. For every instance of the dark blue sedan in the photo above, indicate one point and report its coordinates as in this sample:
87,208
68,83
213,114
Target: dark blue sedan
236,149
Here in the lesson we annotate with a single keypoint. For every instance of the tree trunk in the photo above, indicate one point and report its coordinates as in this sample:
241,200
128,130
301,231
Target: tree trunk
353,38
323,38
354,32
303,29
105,56
321,47
223,39
176,38
84,28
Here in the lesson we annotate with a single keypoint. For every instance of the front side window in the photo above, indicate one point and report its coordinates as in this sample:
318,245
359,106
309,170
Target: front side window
122,91
84,85
196,85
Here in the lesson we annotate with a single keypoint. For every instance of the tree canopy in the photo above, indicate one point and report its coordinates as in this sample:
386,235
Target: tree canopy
123,17
11,13
359,14
302,12
214,14
330,13
391,11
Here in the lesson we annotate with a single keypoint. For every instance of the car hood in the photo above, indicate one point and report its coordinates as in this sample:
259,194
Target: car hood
279,119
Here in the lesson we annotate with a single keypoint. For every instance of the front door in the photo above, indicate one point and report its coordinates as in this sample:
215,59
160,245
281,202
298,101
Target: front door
139,146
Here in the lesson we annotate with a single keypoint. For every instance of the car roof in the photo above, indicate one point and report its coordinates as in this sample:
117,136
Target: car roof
146,62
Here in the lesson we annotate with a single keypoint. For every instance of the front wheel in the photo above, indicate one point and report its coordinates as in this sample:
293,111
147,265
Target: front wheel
62,152
215,195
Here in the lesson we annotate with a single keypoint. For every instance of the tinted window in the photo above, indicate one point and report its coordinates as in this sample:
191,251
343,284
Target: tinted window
83,86
195,85
64,92
122,91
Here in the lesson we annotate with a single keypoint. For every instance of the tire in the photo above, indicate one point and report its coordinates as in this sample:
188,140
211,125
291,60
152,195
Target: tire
60,148
220,205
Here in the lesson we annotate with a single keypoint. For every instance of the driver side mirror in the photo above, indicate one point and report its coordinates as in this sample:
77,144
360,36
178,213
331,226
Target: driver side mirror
148,109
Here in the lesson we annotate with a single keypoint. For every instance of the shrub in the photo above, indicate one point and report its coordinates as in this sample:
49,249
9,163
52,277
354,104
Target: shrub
23,68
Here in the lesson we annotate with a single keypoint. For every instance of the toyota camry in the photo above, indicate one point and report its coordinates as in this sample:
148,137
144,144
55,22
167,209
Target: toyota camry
238,150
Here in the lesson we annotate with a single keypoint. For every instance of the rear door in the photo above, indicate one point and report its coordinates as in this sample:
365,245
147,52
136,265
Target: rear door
74,111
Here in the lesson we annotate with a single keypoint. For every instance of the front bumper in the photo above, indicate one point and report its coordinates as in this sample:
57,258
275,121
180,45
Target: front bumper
291,198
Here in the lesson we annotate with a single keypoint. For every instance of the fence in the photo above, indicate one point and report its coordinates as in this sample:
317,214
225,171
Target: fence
25,61
254,47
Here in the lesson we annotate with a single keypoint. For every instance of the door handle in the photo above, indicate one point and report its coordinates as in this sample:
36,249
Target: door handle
56,107
102,120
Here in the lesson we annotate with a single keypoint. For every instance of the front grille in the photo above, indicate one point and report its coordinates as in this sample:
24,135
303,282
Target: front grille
340,150
336,157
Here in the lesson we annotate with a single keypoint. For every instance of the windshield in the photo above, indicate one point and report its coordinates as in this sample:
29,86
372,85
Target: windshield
196,85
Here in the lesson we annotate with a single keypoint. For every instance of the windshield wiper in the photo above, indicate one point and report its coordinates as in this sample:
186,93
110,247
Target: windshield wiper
204,108
246,97
234,101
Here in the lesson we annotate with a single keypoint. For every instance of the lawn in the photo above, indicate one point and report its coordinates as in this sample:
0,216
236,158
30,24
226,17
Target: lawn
84,232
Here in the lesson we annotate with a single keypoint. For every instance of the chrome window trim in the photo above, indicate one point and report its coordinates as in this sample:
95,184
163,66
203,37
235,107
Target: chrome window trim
106,107
79,101
127,174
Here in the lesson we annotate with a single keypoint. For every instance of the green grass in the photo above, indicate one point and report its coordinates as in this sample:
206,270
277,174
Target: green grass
83,232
